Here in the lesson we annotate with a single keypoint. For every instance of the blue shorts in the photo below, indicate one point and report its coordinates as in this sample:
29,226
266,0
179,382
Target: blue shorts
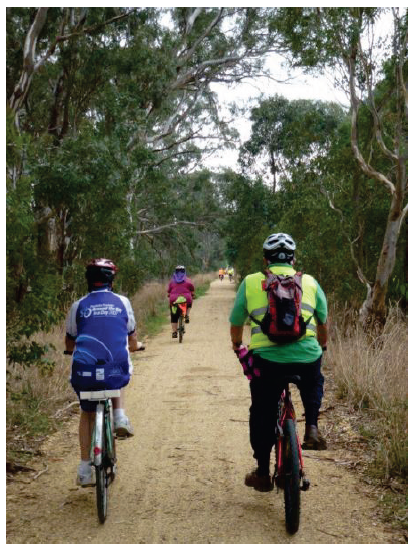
87,405
86,377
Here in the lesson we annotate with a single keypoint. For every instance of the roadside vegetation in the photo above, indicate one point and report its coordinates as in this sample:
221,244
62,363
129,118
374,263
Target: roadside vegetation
371,376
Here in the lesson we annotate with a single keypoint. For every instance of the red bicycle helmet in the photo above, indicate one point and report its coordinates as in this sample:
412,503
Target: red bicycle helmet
100,271
103,263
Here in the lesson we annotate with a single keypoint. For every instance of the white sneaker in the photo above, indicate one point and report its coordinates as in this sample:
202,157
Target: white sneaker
123,427
86,479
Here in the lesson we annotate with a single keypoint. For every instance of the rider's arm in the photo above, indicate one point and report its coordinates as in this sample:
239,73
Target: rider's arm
323,334
238,316
322,317
236,332
69,344
71,328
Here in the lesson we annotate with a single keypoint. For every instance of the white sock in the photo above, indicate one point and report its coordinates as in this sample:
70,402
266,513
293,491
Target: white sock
85,466
119,414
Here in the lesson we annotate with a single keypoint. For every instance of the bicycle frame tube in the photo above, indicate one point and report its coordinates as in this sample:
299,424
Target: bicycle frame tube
288,412
109,428
96,451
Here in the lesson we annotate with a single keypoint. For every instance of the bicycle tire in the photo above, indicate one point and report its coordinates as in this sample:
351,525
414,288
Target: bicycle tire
101,482
292,477
181,328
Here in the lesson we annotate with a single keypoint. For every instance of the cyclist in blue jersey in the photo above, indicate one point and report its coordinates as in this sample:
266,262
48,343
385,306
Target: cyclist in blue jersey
100,332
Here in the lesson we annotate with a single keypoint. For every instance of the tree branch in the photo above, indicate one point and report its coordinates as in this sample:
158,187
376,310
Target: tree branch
355,102
29,50
351,242
172,225
213,23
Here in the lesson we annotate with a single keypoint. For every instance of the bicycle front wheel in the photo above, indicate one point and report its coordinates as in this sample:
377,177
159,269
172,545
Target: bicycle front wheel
102,483
292,477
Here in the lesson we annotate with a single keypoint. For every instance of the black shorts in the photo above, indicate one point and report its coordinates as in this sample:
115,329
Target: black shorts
175,316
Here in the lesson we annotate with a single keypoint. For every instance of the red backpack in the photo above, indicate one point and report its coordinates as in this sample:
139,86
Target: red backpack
283,321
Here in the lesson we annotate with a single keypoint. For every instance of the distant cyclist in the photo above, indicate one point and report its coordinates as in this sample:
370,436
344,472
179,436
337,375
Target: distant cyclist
179,285
231,273
100,331
221,273
301,357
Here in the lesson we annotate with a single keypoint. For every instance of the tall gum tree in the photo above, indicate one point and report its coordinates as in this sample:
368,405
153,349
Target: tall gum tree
149,80
374,72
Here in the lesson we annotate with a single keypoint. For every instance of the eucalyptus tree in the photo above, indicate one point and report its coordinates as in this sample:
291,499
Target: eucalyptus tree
286,133
374,72
142,75
109,111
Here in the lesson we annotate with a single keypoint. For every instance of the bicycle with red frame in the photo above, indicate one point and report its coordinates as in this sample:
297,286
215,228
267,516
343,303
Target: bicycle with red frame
180,303
289,473
289,470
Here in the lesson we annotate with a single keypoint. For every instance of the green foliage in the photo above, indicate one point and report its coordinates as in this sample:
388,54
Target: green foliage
105,159
309,143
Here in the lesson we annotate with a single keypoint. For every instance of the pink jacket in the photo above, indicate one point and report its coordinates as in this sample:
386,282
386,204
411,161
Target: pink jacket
186,289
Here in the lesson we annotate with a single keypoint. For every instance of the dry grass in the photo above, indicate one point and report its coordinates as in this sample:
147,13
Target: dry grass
36,402
371,374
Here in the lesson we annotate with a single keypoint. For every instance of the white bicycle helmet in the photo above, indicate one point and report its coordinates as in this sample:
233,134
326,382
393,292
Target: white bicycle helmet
180,268
279,247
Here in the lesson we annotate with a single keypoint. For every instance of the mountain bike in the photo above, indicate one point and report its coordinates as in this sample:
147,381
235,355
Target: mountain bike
289,473
180,303
103,446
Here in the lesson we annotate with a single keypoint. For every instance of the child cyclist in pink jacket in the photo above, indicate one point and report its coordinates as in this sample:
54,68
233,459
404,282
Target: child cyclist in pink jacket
179,285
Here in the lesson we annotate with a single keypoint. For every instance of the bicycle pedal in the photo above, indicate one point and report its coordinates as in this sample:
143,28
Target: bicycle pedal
305,485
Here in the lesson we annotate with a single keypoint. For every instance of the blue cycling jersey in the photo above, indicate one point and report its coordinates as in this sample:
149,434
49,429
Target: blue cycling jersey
100,324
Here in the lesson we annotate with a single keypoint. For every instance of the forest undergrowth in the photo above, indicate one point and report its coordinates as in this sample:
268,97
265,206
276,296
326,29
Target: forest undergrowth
369,376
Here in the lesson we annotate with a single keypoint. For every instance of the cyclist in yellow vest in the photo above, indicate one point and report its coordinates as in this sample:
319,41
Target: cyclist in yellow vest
302,357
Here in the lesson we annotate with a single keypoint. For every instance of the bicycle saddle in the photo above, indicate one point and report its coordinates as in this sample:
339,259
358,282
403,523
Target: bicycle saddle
291,379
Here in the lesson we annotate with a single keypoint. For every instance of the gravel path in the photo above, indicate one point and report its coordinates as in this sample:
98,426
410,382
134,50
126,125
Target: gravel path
180,479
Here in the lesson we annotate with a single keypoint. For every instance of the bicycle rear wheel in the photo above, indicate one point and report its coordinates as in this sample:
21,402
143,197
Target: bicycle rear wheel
181,328
102,482
292,477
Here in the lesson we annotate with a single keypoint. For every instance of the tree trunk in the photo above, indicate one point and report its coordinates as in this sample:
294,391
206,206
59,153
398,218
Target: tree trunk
29,50
374,309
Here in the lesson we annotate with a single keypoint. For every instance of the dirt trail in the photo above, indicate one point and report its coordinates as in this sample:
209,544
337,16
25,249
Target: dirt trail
180,479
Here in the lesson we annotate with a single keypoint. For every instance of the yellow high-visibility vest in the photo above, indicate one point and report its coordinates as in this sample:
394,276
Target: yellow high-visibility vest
257,303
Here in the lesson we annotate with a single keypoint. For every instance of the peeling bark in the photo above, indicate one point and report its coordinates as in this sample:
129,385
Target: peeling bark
373,310
29,55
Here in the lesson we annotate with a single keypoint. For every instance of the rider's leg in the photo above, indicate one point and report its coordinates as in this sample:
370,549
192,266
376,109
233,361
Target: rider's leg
311,391
86,425
263,412
188,308
122,424
174,316
85,472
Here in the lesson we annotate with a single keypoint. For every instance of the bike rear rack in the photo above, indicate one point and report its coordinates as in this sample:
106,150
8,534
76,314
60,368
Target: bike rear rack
98,395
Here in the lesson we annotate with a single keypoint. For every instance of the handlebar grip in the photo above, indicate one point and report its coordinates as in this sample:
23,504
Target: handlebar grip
67,353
